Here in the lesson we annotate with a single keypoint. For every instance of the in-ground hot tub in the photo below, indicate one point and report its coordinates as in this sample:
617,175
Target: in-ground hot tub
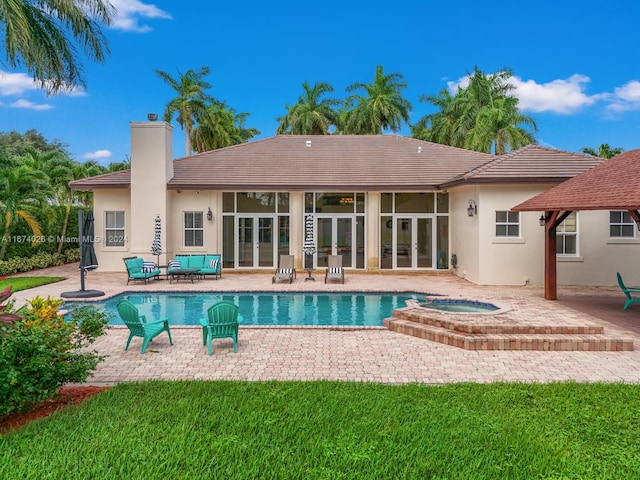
459,306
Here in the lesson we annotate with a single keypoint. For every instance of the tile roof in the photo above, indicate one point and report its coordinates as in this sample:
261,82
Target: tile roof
120,179
325,162
612,185
530,164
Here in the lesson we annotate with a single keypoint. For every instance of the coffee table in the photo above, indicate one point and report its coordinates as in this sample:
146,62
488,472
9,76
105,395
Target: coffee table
187,273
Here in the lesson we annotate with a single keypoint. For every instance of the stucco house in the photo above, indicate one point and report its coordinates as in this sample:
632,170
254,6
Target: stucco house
384,202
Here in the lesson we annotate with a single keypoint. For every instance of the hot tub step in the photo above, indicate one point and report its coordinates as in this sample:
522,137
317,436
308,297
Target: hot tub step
555,342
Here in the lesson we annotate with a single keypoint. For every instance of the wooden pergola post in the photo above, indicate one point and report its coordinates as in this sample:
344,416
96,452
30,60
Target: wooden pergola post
553,218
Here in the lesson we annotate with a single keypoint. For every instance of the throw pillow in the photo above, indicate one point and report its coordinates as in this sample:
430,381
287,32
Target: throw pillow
213,264
148,267
174,264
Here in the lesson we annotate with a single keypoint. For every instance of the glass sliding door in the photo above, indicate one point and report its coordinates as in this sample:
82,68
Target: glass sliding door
335,236
424,242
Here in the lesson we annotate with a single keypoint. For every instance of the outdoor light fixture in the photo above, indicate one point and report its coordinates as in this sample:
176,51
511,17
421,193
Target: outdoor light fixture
152,117
472,209
542,220
209,214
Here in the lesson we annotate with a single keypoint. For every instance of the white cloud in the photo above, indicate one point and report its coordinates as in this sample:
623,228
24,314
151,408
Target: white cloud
16,83
97,154
130,12
22,103
563,96
559,96
626,97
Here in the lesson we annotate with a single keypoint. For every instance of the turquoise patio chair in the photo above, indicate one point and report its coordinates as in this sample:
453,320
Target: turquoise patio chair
138,325
629,292
222,322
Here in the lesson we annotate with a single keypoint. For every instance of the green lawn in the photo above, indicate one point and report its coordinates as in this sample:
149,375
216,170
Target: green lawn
23,283
332,430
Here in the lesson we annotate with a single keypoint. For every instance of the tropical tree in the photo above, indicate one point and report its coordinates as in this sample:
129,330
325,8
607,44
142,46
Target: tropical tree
311,115
42,36
16,143
603,151
191,100
483,116
381,108
219,126
22,191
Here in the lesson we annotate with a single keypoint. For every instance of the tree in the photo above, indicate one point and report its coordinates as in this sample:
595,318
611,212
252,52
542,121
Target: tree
190,102
42,36
16,143
22,189
311,115
219,126
603,151
483,116
382,108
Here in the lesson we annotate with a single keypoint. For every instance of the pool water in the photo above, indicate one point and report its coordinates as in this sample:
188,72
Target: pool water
332,309
459,306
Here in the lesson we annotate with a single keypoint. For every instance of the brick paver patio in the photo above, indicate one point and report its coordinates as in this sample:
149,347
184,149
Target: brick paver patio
373,354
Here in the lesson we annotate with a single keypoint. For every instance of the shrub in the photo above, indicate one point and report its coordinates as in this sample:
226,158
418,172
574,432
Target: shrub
39,260
42,352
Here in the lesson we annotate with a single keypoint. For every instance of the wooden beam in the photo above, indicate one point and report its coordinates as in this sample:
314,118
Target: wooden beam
550,270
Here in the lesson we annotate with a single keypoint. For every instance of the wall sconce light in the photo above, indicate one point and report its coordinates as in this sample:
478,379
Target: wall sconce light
209,214
542,220
472,209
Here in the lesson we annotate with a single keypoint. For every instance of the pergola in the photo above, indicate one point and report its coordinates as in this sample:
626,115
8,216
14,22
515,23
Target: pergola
612,185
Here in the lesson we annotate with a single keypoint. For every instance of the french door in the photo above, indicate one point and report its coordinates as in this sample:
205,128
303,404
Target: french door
256,247
413,242
335,236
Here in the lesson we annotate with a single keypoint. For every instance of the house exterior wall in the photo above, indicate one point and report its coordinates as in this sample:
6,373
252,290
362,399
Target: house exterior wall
110,258
464,233
599,256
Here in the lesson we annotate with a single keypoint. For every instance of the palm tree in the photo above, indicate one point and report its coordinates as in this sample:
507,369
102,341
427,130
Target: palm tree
311,115
483,116
190,102
35,36
219,126
22,189
383,107
603,151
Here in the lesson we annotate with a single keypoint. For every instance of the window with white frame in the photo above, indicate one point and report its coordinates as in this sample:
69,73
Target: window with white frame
621,225
114,229
567,236
507,223
193,229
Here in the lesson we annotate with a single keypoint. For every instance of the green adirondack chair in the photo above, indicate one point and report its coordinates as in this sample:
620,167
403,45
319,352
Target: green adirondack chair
629,292
138,325
222,322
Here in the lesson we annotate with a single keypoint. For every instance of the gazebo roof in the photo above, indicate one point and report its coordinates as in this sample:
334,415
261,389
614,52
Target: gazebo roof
612,185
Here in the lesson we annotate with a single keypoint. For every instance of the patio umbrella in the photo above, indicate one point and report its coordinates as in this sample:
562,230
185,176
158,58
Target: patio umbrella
309,247
156,246
88,259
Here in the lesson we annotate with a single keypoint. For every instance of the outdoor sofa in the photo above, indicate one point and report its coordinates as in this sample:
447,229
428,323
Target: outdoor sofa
205,264
138,269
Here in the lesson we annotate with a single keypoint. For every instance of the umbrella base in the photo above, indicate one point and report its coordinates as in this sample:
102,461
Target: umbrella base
82,294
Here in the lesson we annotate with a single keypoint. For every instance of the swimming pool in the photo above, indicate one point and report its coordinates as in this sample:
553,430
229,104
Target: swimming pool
329,309
459,306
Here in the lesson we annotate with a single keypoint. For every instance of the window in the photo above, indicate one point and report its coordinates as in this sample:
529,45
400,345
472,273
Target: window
114,229
621,225
193,229
507,224
567,236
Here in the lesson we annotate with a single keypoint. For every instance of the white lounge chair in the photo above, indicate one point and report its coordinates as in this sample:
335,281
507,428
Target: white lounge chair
286,270
335,271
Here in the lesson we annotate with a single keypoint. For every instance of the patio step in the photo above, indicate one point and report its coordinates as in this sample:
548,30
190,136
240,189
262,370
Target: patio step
552,339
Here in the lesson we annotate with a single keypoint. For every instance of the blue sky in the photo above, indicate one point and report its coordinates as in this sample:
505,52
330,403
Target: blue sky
575,64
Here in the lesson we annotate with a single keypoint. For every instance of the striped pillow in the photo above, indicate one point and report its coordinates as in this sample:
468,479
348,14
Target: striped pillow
148,267
335,270
213,264
174,264
286,271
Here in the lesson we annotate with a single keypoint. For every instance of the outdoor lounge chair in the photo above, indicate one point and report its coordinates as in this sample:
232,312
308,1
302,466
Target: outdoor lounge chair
335,271
138,325
286,270
632,293
222,322
138,269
